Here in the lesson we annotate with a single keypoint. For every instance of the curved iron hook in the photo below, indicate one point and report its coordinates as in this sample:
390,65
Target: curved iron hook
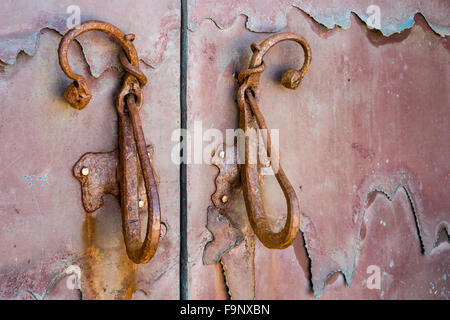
251,118
78,94
131,138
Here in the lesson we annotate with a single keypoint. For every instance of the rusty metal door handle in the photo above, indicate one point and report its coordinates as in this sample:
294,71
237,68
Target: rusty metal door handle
251,118
131,138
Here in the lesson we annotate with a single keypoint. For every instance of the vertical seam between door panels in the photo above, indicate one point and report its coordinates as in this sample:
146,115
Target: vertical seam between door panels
183,169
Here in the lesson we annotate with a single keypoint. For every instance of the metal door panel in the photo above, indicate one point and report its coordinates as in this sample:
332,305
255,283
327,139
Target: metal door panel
369,124
47,239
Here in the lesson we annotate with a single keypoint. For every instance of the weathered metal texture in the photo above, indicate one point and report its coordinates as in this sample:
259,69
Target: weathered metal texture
102,178
250,120
134,159
233,239
228,180
42,138
160,20
270,16
371,117
225,236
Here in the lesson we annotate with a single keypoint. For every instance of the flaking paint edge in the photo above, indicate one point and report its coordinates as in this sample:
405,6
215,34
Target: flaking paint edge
343,21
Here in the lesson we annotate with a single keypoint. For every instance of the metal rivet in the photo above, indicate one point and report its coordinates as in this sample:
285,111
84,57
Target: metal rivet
222,154
85,171
141,203
224,199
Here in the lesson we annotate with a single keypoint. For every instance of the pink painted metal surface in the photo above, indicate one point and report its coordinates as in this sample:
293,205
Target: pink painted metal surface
48,241
363,141
270,16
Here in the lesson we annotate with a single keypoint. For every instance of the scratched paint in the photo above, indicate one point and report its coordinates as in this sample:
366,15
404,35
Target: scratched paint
42,179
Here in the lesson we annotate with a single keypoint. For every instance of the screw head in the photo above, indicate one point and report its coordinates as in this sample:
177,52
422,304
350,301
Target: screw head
85,171
141,203
224,199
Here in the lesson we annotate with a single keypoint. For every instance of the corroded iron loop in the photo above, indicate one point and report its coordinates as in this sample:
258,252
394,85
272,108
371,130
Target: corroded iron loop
251,118
78,94
134,161
244,74
130,86
138,252
131,69
291,78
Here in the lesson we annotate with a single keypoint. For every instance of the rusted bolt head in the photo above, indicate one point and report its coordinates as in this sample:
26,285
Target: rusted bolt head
291,79
78,94
141,203
85,171
224,199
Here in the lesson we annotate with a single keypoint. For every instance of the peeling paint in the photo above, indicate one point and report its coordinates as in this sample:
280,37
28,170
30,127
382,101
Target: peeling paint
360,139
320,284
22,35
